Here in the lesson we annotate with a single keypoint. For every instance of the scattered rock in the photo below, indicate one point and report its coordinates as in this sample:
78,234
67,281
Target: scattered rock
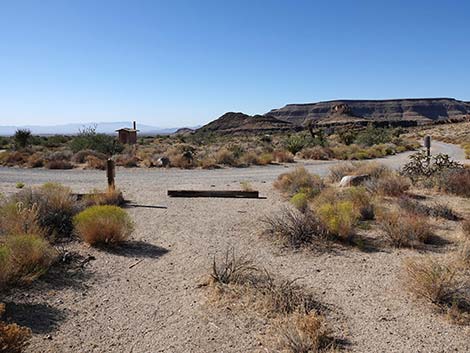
353,180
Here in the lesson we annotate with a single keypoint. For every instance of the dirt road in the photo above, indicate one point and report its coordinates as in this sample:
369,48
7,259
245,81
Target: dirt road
144,297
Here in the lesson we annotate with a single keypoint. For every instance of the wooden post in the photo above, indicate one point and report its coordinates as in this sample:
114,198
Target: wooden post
427,144
110,173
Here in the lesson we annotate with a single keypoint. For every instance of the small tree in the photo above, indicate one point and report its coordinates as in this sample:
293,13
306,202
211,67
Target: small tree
89,139
295,143
22,137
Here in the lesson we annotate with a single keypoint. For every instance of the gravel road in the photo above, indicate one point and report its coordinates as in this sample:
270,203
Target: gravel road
144,298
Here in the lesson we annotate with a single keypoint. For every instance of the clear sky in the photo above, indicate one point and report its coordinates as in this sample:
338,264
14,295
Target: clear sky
180,63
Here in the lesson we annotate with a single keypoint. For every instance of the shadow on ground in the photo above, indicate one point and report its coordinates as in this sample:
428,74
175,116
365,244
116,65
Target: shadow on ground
138,249
40,318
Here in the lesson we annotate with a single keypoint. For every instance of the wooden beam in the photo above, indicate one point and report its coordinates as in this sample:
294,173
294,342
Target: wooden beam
214,193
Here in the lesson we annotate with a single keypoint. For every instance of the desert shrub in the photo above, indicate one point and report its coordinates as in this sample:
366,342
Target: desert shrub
265,159
455,181
19,218
339,218
466,228
93,162
231,269
55,207
103,225
22,137
303,333
208,162
405,229
373,136
361,201
436,210
283,157
28,257
13,338
374,170
432,280
317,152
226,157
13,158
59,165
295,143
293,228
299,180
89,139
423,168
36,160
101,198
81,156
127,160
393,185
300,201
19,185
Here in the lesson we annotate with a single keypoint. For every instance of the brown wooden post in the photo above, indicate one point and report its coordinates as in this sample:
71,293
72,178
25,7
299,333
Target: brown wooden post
427,144
111,173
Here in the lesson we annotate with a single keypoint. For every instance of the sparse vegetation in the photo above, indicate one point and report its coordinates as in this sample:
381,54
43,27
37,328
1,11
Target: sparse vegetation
405,229
299,180
13,338
103,225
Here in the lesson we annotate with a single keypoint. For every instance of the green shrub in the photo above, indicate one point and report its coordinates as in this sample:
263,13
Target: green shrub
103,225
22,137
373,136
339,218
89,139
295,143
300,201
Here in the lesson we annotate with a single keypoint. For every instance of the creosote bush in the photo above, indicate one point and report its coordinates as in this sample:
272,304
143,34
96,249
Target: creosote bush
103,225
405,229
299,180
13,338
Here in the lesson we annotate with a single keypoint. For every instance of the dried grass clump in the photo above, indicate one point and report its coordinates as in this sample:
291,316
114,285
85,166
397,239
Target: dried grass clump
103,225
405,229
436,210
304,333
58,164
456,181
232,269
432,280
100,198
82,156
13,338
55,207
283,157
466,228
25,257
317,153
226,157
36,160
299,180
93,162
392,185
373,169
293,228
18,218
127,160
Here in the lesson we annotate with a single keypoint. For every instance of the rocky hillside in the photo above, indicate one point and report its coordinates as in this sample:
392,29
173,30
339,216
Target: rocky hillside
419,110
239,123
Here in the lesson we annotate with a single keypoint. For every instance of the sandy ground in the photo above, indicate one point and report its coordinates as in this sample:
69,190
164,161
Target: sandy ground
145,297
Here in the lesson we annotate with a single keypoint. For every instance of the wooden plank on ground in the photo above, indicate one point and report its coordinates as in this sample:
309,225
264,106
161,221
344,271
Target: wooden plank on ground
214,193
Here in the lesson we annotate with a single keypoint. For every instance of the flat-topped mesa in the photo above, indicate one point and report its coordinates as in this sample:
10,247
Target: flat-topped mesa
396,111
239,123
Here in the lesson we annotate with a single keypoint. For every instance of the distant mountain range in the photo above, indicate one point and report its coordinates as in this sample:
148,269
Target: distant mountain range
73,129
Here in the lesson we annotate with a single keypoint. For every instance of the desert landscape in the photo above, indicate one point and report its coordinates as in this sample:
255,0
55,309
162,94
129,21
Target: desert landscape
234,176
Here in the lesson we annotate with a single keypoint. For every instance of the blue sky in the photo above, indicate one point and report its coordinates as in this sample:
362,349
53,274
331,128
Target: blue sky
181,63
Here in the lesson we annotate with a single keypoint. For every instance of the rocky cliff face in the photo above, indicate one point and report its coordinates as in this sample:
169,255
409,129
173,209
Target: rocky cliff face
420,110
239,123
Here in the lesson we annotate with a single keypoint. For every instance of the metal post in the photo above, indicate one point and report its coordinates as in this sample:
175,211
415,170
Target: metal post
427,144
110,173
